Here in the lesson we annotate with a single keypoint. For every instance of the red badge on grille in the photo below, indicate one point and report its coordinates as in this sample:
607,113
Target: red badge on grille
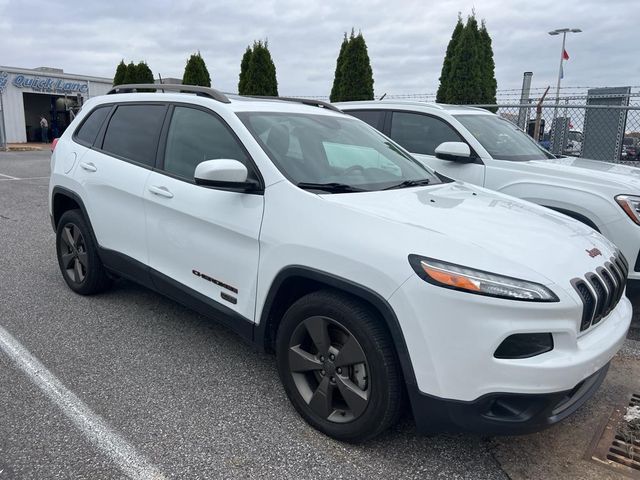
594,252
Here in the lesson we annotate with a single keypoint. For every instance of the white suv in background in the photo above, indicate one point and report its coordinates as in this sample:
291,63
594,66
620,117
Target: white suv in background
476,146
371,277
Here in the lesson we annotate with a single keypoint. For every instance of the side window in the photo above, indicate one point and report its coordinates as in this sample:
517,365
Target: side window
421,133
372,117
91,125
133,132
195,136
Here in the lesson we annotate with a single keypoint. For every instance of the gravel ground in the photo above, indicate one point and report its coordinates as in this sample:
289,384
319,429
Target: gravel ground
187,394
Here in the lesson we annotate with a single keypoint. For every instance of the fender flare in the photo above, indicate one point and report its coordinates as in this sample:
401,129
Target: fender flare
387,314
57,190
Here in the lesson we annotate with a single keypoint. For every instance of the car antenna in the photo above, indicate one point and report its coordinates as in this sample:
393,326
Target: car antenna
382,97
160,79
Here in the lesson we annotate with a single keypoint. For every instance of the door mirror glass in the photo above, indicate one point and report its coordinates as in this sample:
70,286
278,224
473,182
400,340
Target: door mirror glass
223,173
455,152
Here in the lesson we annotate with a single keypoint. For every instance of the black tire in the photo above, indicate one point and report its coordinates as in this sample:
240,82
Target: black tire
380,381
77,254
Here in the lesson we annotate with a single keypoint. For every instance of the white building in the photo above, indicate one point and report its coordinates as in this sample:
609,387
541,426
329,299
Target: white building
28,94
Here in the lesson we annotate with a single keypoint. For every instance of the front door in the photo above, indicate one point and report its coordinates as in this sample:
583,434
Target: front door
203,238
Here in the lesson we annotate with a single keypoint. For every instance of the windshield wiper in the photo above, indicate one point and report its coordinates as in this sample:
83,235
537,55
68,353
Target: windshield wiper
410,183
332,187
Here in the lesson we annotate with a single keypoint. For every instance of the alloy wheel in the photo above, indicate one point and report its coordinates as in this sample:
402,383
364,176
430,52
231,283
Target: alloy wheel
73,253
329,369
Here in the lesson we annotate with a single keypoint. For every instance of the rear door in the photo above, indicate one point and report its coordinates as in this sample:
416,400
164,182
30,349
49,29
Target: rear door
421,134
113,174
202,240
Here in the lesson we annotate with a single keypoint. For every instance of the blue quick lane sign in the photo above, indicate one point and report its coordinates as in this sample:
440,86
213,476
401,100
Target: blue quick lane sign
44,84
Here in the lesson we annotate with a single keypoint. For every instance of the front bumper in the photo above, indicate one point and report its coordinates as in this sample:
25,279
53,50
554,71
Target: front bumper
452,336
502,413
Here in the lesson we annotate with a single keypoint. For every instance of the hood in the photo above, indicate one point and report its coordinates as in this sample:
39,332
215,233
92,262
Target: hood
475,227
623,178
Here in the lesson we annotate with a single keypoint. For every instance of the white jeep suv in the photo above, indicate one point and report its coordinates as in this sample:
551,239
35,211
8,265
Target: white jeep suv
370,276
476,146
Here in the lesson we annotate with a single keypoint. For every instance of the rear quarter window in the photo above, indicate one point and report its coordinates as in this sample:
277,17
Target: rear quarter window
372,117
88,130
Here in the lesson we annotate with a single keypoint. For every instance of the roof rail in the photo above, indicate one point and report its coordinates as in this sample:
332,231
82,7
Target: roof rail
171,87
304,101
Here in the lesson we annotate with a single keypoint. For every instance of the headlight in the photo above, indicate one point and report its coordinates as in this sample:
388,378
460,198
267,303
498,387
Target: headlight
457,277
631,205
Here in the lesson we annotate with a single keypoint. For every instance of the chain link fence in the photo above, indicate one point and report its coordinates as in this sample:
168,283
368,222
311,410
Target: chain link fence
579,123
600,132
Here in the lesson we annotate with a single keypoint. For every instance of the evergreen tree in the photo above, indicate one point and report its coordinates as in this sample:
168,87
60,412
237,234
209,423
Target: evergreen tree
121,72
143,73
131,74
337,79
195,72
244,70
445,76
356,73
261,73
466,72
489,83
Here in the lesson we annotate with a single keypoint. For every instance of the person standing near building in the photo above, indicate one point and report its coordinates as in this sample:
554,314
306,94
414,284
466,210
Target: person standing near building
44,126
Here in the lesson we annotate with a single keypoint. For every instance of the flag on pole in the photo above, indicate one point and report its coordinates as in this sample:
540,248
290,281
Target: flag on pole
565,55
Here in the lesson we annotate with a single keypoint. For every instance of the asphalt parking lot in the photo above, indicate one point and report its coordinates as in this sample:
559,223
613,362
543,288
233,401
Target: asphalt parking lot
132,373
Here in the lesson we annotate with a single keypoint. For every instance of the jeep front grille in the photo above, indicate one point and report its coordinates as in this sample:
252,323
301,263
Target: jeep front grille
600,291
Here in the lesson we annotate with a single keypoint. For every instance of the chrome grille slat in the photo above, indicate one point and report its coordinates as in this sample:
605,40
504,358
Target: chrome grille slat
610,285
601,291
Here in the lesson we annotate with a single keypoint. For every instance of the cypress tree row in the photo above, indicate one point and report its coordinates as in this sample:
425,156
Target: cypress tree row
131,74
442,95
260,77
244,69
354,76
489,84
337,79
468,70
195,72
121,72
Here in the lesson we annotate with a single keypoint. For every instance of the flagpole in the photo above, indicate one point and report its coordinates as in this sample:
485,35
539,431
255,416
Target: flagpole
564,32
564,41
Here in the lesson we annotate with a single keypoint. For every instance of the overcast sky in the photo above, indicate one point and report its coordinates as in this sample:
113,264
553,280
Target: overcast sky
406,39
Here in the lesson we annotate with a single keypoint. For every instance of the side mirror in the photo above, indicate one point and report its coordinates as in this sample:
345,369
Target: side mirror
455,152
224,173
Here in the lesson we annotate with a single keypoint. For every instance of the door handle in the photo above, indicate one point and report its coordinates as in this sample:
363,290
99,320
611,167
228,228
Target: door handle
89,167
160,191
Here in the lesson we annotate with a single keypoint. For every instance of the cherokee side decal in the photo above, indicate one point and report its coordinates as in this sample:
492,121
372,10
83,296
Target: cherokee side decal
206,277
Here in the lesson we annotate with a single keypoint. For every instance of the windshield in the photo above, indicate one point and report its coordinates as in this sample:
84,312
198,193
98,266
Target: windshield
502,139
339,154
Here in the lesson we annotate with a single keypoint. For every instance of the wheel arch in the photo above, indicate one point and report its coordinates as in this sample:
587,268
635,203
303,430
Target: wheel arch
293,282
62,200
